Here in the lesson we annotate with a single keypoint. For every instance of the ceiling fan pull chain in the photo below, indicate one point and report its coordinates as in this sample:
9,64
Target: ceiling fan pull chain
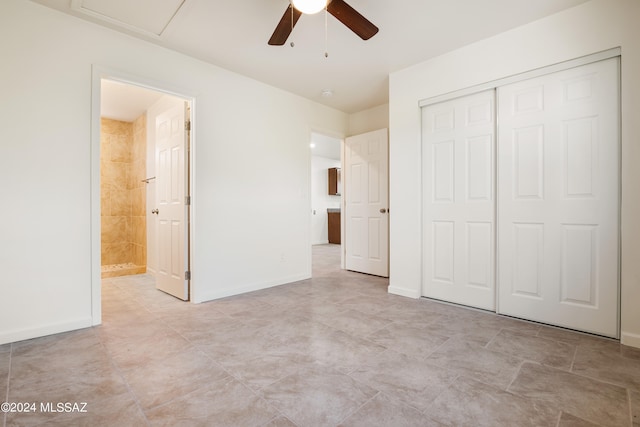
326,31
292,44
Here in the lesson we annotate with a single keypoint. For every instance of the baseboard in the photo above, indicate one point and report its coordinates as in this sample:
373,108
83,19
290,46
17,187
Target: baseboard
632,340
404,292
41,331
228,292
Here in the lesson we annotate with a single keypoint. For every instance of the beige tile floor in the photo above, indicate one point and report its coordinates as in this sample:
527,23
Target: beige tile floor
333,350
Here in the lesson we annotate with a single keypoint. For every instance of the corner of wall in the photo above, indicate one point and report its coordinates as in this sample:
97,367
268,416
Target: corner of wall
369,120
404,292
629,339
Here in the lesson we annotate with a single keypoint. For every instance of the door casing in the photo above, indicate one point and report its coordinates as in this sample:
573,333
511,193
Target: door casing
98,73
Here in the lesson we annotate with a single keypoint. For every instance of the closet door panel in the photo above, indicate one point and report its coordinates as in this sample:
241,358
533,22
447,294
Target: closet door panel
558,198
458,161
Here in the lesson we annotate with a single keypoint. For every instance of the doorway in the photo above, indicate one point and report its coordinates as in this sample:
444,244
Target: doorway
326,199
124,182
124,178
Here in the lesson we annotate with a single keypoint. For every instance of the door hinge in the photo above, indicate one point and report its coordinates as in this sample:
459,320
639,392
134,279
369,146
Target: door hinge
187,200
187,275
187,125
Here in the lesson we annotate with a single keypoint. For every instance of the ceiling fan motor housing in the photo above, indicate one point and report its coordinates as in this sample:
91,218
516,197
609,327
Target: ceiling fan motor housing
344,13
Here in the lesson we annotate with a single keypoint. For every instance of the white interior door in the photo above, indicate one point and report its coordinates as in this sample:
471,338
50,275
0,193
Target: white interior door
558,157
458,200
366,182
171,140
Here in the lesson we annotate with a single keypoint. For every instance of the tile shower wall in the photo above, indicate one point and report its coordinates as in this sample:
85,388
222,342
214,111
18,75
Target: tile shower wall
122,169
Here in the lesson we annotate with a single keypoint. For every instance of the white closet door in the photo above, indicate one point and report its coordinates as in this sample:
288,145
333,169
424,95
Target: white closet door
458,200
558,198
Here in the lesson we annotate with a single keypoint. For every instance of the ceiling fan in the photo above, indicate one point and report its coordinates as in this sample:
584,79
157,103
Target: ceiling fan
338,8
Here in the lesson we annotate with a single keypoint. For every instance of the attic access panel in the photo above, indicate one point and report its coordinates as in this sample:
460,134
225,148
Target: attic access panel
149,17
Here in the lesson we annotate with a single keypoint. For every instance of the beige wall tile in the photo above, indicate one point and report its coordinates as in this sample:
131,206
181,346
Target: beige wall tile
116,229
115,127
123,194
121,149
138,173
139,230
106,126
139,254
121,253
117,175
120,203
138,201
140,124
116,253
139,151
105,200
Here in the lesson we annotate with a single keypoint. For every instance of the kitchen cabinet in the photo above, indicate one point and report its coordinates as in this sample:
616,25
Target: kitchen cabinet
335,182
333,225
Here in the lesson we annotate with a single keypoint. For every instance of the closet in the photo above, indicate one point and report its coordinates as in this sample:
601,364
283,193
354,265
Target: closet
520,197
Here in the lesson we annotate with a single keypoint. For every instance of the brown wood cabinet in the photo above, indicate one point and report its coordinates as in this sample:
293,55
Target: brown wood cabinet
334,181
334,225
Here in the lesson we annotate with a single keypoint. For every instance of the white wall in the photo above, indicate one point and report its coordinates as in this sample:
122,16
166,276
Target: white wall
252,167
321,200
592,27
369,120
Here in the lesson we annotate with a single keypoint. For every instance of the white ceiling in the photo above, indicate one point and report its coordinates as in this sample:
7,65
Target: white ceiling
119,101
233,34
325,146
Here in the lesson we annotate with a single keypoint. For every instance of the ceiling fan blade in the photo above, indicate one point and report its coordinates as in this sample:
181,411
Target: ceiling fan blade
352,19
284,27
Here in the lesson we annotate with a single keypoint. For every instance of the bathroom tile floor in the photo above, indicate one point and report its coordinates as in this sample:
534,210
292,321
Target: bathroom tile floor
333,350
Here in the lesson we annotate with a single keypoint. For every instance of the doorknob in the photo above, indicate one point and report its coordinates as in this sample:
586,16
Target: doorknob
155,211
383,210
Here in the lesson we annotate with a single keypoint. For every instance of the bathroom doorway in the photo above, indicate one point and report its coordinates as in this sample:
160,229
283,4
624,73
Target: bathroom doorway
135,170
124,178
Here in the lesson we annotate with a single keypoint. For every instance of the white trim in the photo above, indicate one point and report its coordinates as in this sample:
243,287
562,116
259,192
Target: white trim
632,340
565,65
404,292
95,220
257,286
98,73
343,204
44,330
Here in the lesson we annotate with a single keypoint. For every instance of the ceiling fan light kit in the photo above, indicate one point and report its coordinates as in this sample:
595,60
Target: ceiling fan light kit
309,7
344,13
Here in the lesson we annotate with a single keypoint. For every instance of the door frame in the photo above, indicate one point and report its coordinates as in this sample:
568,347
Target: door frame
340,137
98,73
